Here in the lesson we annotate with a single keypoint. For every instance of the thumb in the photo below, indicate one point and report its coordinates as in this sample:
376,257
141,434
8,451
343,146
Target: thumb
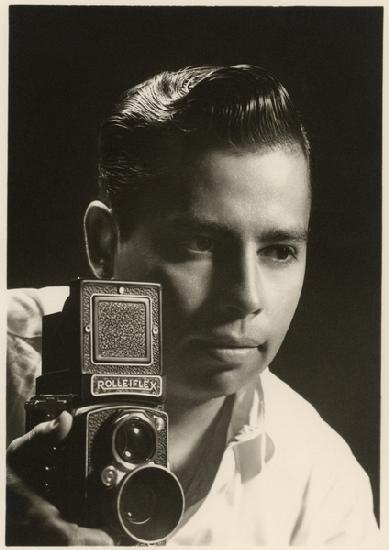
52,431
35,443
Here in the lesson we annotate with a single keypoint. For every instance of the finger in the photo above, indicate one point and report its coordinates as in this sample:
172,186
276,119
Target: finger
28,515
62,426
28,451
52,430
56,531
91,537
49,433
33,521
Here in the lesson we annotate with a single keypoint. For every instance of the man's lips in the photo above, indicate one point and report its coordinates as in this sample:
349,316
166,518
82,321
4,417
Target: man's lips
229,342
229,351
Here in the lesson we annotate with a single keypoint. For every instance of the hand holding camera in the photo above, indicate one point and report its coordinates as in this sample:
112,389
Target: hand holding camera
101,360
32,520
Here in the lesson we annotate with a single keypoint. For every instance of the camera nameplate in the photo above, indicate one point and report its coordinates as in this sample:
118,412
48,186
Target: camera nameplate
121,384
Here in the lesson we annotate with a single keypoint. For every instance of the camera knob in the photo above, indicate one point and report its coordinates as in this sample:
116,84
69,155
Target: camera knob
110,476
160,423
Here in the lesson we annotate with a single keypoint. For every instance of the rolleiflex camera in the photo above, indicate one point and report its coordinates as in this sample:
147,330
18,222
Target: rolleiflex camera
102,361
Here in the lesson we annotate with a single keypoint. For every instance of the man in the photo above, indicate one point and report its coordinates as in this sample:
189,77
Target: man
205,188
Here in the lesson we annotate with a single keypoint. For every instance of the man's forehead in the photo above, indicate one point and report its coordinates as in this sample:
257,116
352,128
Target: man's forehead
224,166
189,170
220,178
255,161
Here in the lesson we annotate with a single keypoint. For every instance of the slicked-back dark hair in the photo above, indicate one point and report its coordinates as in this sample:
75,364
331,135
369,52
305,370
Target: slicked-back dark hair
172,117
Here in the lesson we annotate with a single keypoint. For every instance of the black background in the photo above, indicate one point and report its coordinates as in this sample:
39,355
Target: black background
69,64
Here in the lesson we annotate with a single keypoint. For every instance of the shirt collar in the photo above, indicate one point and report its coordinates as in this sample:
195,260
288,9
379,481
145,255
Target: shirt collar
248,416
248,419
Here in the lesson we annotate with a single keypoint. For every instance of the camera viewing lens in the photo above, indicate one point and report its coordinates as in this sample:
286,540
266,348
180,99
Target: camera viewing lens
135,440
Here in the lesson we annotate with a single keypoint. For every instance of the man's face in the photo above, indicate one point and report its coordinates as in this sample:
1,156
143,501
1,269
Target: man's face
228,246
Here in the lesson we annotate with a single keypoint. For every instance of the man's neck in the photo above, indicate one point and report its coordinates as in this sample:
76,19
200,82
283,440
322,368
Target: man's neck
197,437
188,423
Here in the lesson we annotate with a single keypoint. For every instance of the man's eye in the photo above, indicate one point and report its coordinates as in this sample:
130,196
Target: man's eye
200,244
281,253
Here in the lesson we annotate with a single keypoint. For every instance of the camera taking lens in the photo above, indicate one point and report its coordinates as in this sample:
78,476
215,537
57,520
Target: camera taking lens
149,503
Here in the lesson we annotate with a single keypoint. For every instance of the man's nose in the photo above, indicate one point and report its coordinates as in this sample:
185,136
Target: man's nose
245,290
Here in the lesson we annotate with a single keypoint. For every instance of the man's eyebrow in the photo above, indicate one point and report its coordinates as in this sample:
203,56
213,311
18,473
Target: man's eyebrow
193,223
295,235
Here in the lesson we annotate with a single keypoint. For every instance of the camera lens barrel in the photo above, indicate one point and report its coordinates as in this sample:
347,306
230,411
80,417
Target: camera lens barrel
149,503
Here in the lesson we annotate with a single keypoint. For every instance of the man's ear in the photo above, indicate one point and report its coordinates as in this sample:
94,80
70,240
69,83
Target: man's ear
101,238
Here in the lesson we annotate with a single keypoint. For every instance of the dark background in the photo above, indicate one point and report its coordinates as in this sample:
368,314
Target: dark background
69,64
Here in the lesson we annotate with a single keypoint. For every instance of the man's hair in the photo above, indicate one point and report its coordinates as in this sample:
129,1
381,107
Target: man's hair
167,120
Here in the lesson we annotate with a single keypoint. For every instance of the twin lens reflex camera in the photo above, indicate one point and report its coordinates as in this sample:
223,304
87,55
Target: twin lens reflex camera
102,361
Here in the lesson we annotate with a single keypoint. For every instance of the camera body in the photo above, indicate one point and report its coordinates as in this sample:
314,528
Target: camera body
102,361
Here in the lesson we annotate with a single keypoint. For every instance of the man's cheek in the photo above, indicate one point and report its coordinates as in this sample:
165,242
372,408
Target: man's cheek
288,297
184,289
283,313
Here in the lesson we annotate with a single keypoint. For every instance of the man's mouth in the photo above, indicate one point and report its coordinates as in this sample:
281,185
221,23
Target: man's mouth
229,350
229,342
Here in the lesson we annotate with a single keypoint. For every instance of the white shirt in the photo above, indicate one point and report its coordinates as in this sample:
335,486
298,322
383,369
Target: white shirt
286,477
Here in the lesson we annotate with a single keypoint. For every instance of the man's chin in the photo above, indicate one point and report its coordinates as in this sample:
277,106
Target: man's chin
216,384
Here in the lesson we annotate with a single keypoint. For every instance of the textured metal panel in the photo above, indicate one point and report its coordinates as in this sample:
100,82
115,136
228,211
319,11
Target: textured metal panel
122,330
118,289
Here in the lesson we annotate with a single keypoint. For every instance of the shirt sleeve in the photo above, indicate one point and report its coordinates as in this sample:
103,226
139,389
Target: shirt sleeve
25,309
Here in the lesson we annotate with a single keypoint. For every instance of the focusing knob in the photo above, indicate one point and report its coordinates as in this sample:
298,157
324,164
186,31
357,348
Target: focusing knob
110,476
